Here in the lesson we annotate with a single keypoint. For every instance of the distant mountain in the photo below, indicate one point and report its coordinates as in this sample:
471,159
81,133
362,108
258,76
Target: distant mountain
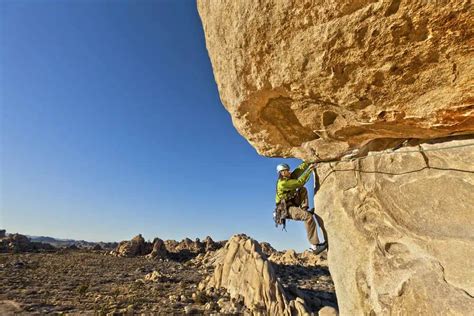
71,242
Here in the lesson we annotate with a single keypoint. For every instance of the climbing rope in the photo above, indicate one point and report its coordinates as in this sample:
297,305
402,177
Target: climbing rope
421,151
397,152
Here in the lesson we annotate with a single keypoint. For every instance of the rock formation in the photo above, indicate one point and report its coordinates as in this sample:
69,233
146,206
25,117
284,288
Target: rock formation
405,221
317,79
267,249
243,270
20,243
322,81
87,282
135,247
160,249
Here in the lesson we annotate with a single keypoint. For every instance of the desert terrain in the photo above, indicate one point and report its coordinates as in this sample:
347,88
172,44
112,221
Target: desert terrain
136,277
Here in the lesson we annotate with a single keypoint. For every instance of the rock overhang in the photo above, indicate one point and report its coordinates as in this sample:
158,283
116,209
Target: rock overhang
316,81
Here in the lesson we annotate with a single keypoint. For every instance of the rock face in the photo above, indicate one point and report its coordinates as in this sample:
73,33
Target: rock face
320,80
317,79
243,270
405,221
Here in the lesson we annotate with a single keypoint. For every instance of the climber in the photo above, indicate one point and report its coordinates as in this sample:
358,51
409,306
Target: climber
292,202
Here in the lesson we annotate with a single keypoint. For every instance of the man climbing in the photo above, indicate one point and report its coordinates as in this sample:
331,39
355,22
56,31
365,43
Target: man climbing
292,202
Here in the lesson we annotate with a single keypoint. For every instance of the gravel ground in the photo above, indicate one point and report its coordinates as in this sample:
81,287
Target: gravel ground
94,282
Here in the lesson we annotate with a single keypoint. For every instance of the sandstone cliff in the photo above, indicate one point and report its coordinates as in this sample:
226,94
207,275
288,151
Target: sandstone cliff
321,80
404,220
312,79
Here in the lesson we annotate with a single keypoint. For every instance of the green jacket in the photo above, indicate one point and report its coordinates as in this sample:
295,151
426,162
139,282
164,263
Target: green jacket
286,188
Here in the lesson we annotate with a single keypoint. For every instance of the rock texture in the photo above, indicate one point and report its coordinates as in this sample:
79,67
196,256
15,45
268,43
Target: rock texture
318,79
405,221
244,272
321,81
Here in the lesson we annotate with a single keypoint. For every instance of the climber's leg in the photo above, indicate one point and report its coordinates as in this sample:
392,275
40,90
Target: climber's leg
321,225
299,214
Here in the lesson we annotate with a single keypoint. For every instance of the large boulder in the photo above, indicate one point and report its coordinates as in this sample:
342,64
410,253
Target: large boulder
322,80
317,79
137,246
400,230
243,270
159,250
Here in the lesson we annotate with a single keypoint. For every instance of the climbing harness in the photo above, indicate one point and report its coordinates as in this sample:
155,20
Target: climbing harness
281,214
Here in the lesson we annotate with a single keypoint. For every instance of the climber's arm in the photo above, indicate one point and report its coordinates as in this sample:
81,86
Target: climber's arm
299,170
292,184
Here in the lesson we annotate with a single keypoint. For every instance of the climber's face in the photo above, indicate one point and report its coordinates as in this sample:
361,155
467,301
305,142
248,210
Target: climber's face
285,173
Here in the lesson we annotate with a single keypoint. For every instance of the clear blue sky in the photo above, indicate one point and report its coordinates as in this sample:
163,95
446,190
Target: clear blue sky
111,125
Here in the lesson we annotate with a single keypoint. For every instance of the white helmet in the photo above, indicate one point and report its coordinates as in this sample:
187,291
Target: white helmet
282,166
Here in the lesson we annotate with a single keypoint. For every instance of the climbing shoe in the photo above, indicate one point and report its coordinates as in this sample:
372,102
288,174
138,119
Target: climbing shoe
317,249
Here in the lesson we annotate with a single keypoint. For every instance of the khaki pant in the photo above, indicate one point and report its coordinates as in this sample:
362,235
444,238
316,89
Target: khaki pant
298,211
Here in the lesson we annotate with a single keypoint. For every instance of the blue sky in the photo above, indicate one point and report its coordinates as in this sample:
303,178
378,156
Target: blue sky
111,125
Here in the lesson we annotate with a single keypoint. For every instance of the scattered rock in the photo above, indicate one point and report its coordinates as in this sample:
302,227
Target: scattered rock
210,306
190,310
77,282
154,276
328,311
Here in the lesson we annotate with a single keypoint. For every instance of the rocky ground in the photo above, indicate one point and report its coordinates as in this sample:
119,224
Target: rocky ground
312,282
77,281
83,281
